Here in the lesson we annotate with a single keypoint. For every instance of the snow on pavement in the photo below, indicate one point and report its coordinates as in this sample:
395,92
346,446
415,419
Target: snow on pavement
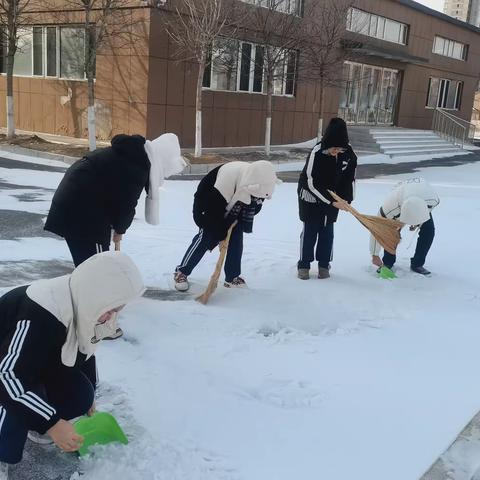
351,377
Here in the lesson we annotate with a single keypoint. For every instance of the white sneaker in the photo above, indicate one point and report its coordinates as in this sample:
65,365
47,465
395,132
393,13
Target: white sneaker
36,437
3,471
181,281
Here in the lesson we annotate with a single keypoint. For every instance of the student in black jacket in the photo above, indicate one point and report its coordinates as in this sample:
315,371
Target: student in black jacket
331,165
233,192
48,335
99,193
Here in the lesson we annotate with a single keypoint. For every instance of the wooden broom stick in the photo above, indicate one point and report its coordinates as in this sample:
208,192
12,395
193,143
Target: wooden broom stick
213,283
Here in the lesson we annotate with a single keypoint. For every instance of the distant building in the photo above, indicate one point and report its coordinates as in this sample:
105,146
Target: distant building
457,9
474,13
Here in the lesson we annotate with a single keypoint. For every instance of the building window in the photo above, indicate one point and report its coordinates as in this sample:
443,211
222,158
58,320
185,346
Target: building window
48,52
449,48
444,93
286,6
239,66
365,23
72,53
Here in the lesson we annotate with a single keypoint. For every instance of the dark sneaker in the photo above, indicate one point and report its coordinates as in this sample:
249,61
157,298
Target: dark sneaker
237,282
303,273
181,281
323,273
420,270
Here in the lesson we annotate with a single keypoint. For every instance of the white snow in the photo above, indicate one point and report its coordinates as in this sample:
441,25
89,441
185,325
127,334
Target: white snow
351,377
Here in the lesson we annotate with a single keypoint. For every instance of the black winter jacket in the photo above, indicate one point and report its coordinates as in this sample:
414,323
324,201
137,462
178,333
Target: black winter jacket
100,192
209,208
323,172
31,341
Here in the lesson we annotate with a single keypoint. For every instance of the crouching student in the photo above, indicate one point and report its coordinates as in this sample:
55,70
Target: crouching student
233,192
411,202
49,332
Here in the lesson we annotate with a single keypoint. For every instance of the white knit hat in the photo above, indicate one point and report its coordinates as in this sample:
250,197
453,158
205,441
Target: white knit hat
165,160
414,211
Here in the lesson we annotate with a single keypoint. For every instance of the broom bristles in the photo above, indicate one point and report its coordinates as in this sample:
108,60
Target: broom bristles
385,230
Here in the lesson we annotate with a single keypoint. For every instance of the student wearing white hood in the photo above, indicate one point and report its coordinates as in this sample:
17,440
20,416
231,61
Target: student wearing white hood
231,192
98,195
48,333
410,202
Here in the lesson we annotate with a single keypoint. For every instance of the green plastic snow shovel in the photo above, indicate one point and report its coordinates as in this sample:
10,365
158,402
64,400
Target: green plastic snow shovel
99,429
386,273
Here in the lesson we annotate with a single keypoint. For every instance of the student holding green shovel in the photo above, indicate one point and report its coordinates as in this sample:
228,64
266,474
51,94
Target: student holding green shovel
49,331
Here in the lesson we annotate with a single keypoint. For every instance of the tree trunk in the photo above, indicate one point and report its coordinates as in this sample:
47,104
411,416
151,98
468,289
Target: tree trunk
268,121
198,108
10,103
320,111
91,117
90,74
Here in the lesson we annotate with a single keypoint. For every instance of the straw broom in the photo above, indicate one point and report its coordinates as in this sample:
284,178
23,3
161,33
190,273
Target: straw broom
385,231
212,284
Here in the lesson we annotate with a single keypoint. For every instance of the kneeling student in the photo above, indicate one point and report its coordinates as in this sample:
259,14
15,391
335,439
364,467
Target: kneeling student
49,331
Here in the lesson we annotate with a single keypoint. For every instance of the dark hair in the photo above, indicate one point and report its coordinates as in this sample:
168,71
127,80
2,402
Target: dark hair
336,134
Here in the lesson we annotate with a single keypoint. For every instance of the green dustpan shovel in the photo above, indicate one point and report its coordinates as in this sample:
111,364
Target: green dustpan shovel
386,273
99,429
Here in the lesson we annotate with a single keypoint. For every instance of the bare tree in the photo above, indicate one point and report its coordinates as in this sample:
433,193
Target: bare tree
194,27
276,28
327,48
13,19
102,22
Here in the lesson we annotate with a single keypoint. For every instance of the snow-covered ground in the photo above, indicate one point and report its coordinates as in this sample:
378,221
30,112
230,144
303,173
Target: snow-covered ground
351,377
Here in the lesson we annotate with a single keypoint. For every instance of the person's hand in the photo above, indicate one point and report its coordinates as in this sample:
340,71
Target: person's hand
92,409
65,437
377,261
117,237
341,205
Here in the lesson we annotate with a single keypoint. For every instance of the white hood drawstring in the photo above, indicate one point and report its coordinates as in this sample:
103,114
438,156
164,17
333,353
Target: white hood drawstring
102,283
165,160
240,181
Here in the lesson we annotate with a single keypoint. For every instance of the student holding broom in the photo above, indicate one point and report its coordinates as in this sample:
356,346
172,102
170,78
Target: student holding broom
411,203
331,165
49,331
230,194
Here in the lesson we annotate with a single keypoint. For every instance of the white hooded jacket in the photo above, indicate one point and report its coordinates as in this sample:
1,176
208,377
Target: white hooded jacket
165,160
400,198
239,181
103,282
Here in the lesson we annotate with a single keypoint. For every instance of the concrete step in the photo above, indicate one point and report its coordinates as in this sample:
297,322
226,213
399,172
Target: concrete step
432,151
423,141
417,148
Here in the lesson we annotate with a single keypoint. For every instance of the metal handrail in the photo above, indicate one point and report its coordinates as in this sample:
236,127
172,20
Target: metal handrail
471,127
449,127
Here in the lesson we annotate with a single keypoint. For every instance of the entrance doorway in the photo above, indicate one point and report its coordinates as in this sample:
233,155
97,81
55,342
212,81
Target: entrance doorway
369,95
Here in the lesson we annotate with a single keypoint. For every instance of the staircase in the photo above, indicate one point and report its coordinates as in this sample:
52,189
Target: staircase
400,142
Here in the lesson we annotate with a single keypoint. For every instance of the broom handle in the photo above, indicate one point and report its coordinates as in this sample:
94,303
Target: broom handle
223,251
347,205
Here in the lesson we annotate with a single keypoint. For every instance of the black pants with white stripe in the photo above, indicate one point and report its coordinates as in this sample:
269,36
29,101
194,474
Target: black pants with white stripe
426,235
68,390
320,234
204,241
82,249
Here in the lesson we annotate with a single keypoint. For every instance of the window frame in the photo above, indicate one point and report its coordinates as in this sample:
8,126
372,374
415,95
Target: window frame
44,75
444,89
404,28
448,49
